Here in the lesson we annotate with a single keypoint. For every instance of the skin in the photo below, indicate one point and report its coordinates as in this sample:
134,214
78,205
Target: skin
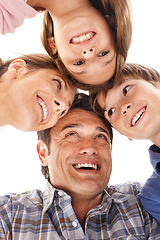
21,93
125,100
79,137
91,61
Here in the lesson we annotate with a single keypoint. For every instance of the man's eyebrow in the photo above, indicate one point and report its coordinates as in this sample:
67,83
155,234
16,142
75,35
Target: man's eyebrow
74,125
102,130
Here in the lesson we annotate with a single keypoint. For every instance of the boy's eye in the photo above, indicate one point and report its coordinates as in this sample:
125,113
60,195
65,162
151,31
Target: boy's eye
126,89
78,63
111,111
103,53
58,83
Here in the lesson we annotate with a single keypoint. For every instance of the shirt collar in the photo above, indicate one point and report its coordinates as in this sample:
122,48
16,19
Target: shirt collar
154,153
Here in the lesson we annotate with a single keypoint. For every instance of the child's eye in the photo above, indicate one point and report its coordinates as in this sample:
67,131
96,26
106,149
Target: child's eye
111,111
103,53
78,63
126,89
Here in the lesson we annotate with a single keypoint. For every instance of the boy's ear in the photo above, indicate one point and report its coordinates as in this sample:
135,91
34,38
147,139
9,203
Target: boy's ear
42,152
15,68
52,45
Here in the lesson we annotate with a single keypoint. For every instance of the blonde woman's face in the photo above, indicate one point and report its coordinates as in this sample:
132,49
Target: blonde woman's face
38,99
86,46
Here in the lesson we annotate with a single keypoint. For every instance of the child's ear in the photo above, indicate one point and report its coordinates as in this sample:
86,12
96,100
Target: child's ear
52,45
15,68
42,152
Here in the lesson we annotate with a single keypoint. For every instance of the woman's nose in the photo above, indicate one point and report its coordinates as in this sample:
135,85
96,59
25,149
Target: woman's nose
59,105
88,52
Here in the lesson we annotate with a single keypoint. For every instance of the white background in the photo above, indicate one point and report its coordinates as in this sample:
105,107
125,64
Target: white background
19,163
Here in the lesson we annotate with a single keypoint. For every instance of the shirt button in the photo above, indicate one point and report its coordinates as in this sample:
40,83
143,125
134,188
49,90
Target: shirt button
74,224
60,194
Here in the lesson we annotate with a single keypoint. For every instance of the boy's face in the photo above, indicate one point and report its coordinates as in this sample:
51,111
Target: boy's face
132,108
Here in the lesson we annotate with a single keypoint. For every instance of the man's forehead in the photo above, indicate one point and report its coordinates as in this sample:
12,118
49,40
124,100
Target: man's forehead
79,118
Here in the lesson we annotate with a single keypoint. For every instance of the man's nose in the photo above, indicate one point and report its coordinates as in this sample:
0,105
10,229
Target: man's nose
88,147
125,108
88,52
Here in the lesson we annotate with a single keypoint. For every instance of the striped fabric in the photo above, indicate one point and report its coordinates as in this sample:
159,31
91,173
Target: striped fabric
49,215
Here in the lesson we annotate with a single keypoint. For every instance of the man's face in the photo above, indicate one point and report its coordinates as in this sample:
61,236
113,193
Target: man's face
80,154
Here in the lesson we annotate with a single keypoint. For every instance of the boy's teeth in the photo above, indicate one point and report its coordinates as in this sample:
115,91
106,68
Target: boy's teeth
86,165
137,116
44,108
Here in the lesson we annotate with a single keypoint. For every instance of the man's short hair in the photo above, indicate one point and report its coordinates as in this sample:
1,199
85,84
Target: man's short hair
81,101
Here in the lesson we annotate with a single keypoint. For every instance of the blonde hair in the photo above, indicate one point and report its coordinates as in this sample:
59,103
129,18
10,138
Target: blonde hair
117,14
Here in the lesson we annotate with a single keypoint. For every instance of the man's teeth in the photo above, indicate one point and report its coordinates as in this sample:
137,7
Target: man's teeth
82,38
86,165
137,116
44,108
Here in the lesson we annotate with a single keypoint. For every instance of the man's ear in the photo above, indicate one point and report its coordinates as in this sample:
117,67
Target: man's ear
15,68
42,152
52,45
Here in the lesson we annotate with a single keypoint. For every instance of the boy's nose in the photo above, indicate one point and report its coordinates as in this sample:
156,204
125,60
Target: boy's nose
125,108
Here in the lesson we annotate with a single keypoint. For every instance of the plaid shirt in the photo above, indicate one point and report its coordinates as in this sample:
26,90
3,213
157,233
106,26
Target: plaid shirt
50,216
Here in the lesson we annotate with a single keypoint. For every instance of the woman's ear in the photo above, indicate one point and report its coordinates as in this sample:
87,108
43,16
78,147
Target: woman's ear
130,139
15,68
52,45
42,152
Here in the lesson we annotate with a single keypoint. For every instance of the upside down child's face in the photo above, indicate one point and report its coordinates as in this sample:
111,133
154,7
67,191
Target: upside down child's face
132,107
86,45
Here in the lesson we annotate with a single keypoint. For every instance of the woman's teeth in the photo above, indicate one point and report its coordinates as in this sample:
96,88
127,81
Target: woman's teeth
44,108
82,38
137,116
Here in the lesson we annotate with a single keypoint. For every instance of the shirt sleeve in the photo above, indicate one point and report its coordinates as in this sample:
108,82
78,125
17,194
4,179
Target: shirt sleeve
13,13
150,196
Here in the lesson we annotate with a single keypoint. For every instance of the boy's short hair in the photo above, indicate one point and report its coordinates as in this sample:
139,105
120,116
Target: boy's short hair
130,70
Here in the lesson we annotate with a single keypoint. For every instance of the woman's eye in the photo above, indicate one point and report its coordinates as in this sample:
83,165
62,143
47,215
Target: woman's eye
58,83
103,53
78,63
111,111
126,89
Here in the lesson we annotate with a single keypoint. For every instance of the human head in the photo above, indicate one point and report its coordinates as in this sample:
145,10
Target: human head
131,105
118,19
82,106
34,92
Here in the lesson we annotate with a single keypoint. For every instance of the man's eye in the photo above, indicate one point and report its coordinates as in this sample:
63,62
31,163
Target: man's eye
103,53
78,63
101,139
111,111
126,89
58,84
